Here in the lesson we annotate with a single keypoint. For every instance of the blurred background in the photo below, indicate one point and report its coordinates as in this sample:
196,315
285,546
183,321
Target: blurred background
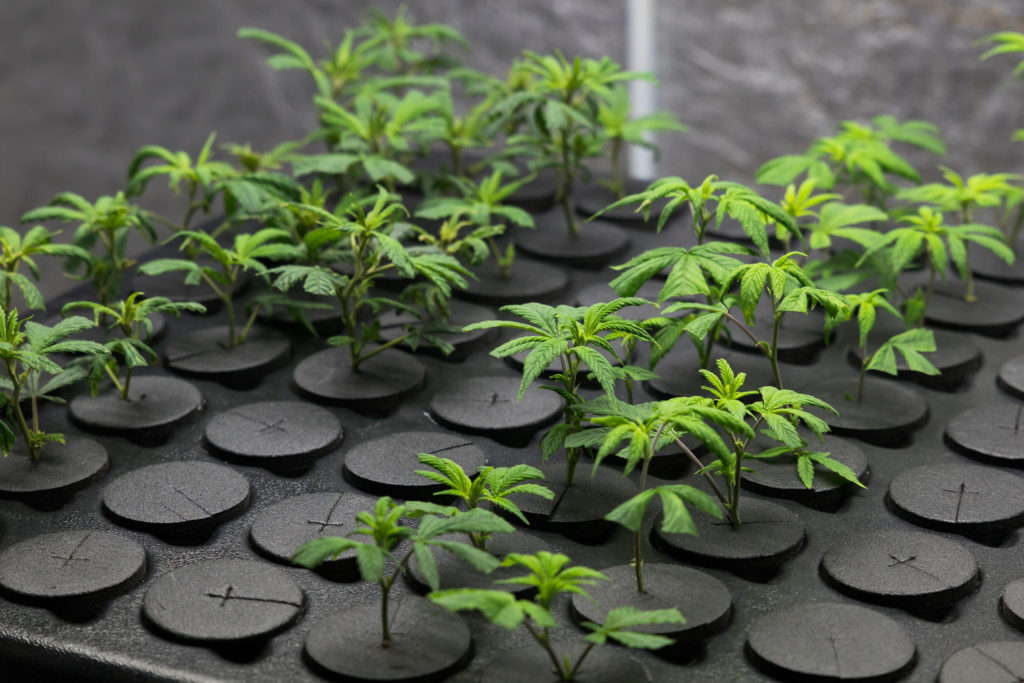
85,83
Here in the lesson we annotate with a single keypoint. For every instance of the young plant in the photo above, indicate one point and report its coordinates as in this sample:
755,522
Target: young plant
131,318
910,344
551,577
964,195
789,290
384,530
397,42
376,134
560,108
781,411
374,249
859,156
646,428
203,178
109,220
574,336
926,232
482,205
492,485
716,199
619,131
17,250
25,349
245,255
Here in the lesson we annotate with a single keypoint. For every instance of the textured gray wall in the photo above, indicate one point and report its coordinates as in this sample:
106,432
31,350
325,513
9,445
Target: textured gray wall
84,83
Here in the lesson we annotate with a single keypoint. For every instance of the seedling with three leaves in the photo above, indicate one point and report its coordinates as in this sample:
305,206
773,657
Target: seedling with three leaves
491,485
551,576
373,231
246,254
389,541
25,349
574,336
131,318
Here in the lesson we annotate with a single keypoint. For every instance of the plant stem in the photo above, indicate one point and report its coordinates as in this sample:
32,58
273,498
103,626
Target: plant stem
638,537
565,189
618,184
579,662
774,357
544,640
863,372
707,477
26,432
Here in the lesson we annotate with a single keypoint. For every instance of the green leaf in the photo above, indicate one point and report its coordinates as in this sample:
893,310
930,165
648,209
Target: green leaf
630,514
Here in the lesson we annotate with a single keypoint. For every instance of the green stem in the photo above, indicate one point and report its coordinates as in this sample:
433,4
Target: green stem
707,477
618,183
775,351
26,432
863,372
544,639
379,349
249,323
565,189
579,662
638,536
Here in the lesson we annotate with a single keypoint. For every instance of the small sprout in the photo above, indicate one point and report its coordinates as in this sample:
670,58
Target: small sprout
25,349
574,336
18,250
781,411
108,220
647,428
373,251
131,318
551,577
492,485
384,530
245,255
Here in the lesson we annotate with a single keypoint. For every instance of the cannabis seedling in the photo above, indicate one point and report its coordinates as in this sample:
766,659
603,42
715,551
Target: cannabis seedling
245,255
17,250
647,428
859,156
789,290
492,485
384,529
131,318
374,250
779,410
560,107
619,131
926,232
574,336
108,220
481,208
910,344
25,349
551,577
397,42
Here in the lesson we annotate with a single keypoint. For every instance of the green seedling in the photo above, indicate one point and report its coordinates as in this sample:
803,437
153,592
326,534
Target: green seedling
129,351
109,220
574,336
838,220
384,530
910,344
551,577
800,204
18,249
397,42
859,157
25,349
475,129
780,411
712,199
374,135
203,178
245,255
372,230
480,208
249,160
789,290
964,195
647,428
619,131
926,234
491,485
559,106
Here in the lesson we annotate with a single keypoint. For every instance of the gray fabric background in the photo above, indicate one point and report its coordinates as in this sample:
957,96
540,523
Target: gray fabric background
84,83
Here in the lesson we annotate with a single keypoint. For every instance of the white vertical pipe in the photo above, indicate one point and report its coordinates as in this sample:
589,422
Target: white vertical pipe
641,31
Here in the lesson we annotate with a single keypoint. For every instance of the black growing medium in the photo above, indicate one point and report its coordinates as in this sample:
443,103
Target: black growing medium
286,510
